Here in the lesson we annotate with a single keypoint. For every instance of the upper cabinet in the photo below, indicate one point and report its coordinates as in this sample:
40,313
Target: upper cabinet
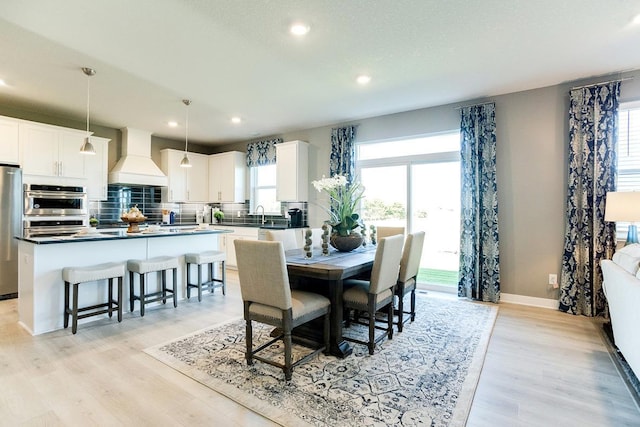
185,184
96,169
292,171
50,151
9,142
227,172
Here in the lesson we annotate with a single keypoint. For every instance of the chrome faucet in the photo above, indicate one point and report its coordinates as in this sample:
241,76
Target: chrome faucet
258,207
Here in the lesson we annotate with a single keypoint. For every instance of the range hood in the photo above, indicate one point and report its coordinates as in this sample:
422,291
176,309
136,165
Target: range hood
135,167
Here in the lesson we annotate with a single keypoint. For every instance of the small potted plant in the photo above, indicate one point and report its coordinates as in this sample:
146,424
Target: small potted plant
93,221
218,215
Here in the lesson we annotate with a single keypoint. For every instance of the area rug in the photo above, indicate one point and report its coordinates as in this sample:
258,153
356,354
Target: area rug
425,375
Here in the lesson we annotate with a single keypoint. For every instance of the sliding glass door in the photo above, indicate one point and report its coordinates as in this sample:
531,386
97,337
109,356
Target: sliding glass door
416,184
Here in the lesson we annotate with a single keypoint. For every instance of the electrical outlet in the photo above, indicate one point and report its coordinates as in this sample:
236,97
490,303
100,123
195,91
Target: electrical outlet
553,280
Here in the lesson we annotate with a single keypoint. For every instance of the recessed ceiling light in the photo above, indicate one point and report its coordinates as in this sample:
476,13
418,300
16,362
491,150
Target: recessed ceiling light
299,29
363,79
236,120
636,20
173,124
3,83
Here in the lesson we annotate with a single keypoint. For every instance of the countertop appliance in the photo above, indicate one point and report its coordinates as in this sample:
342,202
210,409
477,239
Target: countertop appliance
10,226
295,216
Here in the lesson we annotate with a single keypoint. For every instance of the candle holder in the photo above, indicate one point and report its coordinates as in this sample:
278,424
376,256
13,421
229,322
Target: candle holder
325,239
308,253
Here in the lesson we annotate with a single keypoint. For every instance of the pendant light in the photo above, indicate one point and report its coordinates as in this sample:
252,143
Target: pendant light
87,146
185,163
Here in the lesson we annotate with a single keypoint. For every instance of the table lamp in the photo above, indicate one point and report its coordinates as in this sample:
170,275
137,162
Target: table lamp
624,206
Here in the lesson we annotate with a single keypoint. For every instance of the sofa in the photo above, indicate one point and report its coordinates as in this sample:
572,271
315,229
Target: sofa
621,286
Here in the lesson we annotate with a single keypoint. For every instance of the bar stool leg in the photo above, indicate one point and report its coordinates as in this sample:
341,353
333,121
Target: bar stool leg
224,280
175,287
66,304
74,313
199,282
131,295
188,280
212,289
142,291
110,300
164,286
120,298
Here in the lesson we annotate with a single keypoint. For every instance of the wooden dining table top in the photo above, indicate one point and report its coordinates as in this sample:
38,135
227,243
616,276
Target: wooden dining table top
335,266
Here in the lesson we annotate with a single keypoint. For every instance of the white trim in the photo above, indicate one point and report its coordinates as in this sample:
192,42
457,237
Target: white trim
629,105
533,301
447,289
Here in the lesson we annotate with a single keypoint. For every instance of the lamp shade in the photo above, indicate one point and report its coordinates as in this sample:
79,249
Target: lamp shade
623,206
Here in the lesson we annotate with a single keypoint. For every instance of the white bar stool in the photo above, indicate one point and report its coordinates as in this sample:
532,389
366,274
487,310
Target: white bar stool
77,275
208,258
144,266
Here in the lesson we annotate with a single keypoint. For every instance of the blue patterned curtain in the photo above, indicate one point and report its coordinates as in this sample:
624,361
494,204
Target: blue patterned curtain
261,153
343,152
593,127
479,254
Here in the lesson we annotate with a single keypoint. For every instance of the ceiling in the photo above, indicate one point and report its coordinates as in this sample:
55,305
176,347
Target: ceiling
237,58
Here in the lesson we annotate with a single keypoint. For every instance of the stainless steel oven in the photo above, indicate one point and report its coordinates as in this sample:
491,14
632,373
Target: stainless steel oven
52,226
54,200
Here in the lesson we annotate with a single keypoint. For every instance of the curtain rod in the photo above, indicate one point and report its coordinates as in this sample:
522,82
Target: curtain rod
602,83
474,105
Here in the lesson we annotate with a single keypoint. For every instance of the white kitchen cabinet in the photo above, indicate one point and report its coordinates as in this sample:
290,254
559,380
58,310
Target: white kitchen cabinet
226,241
96,169
9,142
227,173
185,184
51,151
292,171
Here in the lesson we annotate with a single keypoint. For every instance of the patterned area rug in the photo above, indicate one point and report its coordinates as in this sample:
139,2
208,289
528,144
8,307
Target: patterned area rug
426,375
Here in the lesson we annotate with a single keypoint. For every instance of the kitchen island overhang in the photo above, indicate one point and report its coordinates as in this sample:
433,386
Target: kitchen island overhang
41,260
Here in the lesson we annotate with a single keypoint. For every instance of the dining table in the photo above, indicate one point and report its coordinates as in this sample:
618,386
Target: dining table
326,274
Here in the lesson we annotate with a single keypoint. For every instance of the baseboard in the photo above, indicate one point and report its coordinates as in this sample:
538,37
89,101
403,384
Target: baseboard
532,301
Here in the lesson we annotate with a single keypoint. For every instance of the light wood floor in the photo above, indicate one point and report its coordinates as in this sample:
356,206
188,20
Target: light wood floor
543,368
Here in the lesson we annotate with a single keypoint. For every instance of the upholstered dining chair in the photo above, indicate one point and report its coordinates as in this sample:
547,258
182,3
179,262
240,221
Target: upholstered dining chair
382,232
409,266
287,237
264,285
377,293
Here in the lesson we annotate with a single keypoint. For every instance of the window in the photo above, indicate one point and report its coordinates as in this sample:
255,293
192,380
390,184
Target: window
628,154
415,183
263,189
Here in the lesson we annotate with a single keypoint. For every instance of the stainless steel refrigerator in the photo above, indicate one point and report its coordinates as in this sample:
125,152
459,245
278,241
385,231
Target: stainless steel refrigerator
10,226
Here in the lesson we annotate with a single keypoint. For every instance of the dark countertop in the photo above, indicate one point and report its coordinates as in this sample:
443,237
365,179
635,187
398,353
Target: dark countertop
117,234
267,225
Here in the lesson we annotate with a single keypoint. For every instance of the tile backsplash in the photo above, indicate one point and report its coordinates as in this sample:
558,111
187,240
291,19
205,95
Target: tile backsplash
121,198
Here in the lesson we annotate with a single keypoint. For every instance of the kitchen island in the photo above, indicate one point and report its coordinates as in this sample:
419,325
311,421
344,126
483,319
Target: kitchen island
41,260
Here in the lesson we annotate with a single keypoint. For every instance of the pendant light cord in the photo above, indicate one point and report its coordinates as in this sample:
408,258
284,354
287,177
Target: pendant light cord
88,99
186,102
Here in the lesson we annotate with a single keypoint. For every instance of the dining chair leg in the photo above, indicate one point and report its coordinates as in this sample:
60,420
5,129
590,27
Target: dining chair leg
372,329
249,339
400,308
288,370
327,330
413,305
390,320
